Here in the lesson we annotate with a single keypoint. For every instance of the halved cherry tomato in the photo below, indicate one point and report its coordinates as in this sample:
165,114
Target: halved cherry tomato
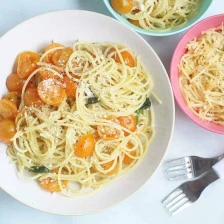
107,132
46,74
7,130
108,165
127,160
85,146
27,63
32,82
8,109
128,122
48,57
31,98
14,83
51,91
70,87
15,97
122,6
135,22
52,185
127,57
60,57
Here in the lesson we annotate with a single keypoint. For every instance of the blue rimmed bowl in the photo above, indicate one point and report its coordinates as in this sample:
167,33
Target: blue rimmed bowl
204,6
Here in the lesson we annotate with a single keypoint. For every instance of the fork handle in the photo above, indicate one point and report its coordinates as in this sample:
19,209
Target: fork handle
219,168
202,165
218,158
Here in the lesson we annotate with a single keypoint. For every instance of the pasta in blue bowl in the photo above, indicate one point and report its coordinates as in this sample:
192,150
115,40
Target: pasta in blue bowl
158,17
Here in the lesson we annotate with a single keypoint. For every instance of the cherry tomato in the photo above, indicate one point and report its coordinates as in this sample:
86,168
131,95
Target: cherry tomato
51,91
46,74
122,6
14,83
7,130
85,146
128,122
70,87
48,57
60,57
108,165
15,97
8,109
107,132
127,160
31,98
27,63
127,57
135,22
52,185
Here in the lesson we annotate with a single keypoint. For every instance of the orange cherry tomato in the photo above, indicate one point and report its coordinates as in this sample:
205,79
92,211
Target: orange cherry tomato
122,6
52,185
107,132
85,146
14,83
31,98
15,97
127,160
32,82
7,130
48,57
135,22
128,122
27,63
127,57
51,91
60,57
108,165
46,74
8,109
70,87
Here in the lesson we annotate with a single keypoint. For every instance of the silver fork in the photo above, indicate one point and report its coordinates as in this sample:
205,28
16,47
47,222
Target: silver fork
189,167
189,192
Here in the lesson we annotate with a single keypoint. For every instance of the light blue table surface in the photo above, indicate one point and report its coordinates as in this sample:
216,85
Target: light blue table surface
144,207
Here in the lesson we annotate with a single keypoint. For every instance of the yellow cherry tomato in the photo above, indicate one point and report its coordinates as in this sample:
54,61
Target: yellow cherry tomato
85,146
122,6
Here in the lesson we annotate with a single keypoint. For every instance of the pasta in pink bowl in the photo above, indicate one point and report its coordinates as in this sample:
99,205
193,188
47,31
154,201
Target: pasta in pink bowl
196,73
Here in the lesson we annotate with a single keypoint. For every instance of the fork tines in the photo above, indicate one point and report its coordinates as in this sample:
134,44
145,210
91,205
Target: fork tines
179,169
176,201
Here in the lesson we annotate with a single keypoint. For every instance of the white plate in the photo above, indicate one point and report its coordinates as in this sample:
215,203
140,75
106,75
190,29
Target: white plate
66,27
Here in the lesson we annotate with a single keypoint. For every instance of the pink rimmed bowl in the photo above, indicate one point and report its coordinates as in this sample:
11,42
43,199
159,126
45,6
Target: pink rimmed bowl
194,32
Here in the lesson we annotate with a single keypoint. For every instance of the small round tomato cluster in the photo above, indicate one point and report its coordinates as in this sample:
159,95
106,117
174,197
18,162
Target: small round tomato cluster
49,90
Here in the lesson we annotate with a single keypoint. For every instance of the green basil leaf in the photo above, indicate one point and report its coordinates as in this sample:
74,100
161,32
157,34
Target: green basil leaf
92,100
39,169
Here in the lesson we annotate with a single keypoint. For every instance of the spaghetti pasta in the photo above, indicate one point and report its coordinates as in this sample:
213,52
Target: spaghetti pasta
84,142
201,75
161,15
